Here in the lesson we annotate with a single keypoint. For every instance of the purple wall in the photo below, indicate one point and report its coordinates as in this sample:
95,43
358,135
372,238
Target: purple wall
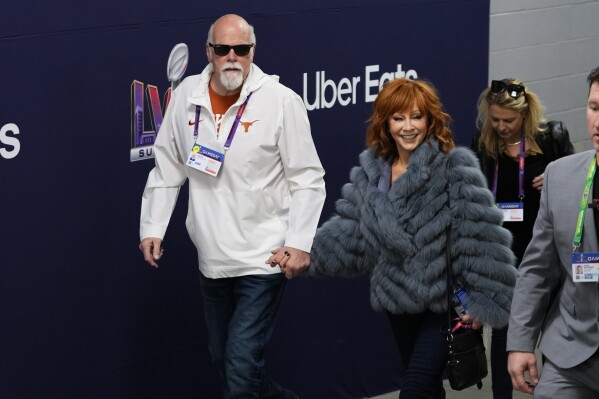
82,316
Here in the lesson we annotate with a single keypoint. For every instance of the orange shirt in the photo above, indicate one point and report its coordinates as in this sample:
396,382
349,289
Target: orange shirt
220,105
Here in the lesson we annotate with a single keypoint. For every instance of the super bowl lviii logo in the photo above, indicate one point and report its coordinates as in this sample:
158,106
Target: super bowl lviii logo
142,140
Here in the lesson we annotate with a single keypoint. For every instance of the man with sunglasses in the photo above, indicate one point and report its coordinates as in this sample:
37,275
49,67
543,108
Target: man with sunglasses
243,142
564,238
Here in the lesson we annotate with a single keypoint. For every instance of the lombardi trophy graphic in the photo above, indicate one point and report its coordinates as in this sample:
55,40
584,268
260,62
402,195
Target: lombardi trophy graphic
142,140
177,64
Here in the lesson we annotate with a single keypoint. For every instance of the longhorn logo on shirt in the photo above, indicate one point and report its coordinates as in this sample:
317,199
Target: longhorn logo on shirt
247,125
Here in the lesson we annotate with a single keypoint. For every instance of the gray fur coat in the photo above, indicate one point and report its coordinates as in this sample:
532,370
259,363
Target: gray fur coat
399,236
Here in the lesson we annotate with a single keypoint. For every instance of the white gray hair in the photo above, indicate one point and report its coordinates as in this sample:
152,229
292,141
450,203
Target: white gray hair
211,32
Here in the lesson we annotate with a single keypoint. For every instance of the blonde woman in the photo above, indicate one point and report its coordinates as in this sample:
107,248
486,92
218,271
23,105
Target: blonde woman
514,145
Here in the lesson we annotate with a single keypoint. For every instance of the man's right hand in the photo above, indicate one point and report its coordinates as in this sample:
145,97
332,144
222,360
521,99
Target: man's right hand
517,364
152,250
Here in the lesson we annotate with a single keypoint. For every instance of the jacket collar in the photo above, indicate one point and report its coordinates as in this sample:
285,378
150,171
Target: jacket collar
256,78
420,163
391,211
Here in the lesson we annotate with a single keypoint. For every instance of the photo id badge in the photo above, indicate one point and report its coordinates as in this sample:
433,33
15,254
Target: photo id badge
205,160
512,211
585,267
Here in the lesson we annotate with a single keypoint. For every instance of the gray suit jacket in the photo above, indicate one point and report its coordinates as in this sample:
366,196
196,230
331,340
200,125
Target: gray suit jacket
569,323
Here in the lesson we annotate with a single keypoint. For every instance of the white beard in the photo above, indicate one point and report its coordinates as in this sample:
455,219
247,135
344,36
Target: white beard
231,80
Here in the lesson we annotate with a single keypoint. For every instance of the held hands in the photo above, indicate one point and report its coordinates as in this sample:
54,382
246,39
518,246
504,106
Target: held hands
537,182
152,250
517,364
292,261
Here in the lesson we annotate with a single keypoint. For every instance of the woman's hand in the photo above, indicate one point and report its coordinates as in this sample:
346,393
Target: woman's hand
537,182
476,324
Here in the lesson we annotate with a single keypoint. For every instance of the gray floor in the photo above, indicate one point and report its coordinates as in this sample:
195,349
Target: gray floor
470,393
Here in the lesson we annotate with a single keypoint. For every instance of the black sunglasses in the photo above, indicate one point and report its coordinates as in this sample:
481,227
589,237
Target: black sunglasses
223,49
513,90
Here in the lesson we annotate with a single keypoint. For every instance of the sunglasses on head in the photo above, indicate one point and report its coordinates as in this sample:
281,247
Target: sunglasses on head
513,90
223,49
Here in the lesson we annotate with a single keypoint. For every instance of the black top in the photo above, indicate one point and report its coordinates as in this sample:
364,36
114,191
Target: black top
555,143
508,191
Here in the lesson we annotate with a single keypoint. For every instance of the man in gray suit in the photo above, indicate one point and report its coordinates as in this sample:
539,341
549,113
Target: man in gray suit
569,320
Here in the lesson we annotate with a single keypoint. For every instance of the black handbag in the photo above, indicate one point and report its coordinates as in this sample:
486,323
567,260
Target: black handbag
466,361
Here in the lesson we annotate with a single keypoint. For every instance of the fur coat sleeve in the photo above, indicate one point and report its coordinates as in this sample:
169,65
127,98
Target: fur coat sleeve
339,247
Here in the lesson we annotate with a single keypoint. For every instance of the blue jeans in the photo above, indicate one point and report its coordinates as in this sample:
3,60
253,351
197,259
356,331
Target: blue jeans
240,315
423,352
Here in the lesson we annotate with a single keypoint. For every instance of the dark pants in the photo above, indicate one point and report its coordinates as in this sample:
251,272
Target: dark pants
240,315
500,378
423,352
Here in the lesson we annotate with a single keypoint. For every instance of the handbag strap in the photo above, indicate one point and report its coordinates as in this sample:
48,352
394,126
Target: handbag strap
448,270
448,261
479,384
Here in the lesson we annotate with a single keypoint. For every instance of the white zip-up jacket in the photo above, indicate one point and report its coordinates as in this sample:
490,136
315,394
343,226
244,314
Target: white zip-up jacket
269,191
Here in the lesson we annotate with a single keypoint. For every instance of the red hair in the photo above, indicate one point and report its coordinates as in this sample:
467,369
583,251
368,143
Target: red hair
401,95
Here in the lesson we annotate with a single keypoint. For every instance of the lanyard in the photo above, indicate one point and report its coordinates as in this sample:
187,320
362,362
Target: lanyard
584,204
233,128
520,172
